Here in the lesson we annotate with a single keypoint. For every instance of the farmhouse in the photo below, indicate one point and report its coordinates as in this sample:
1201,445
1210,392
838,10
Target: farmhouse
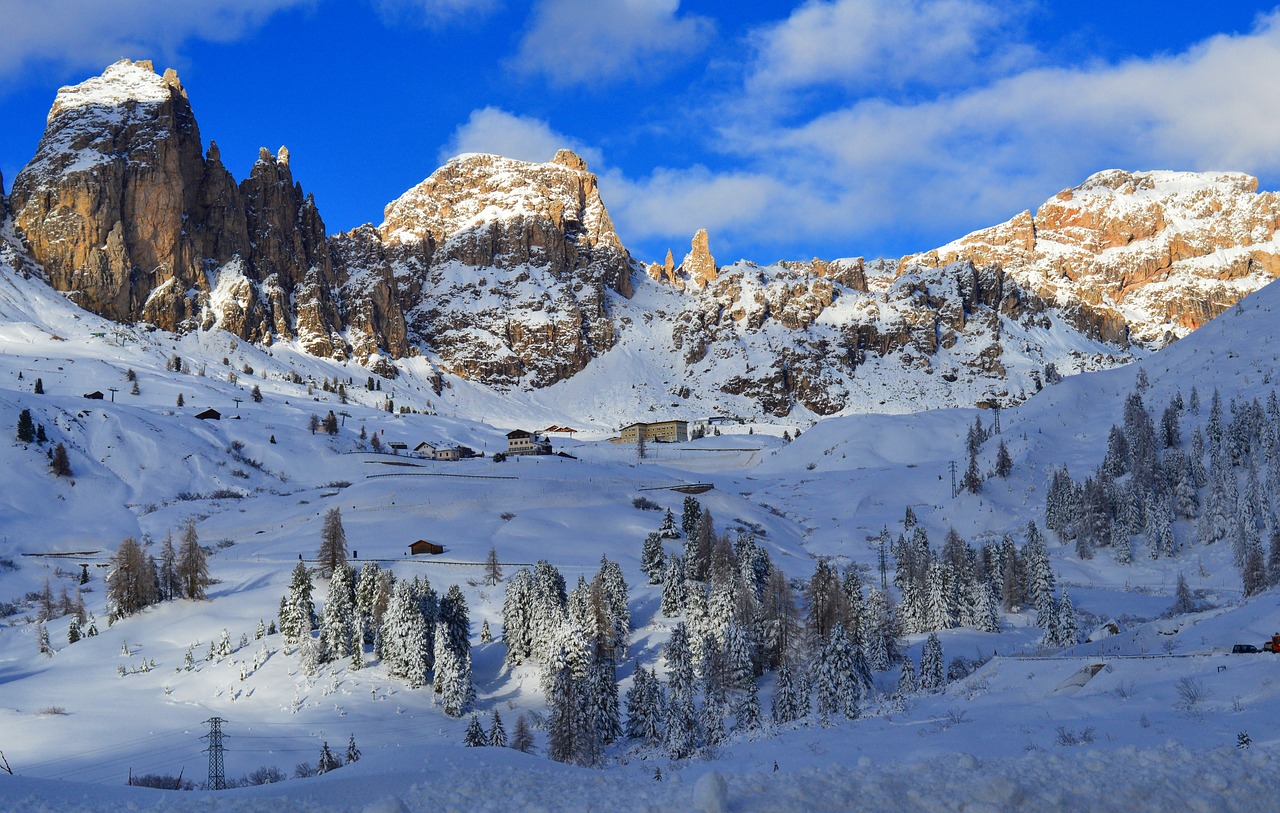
96,395
423,546
210,414
660,432
521,442
425,449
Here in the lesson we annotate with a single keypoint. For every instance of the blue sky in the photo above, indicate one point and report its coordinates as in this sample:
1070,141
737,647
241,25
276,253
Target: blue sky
789,130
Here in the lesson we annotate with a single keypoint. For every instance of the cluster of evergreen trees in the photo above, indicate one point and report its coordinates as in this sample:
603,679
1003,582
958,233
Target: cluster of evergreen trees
138,580
414,632
579,637
1226,479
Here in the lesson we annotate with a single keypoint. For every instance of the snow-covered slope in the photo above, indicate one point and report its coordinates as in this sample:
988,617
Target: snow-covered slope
143,466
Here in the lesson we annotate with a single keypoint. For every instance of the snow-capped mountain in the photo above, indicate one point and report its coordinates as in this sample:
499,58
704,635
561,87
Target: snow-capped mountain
496,276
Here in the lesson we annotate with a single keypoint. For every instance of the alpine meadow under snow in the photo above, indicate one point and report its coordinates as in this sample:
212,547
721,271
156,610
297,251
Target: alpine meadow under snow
209,600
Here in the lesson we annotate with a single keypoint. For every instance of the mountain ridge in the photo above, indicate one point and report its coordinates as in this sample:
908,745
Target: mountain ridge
510,275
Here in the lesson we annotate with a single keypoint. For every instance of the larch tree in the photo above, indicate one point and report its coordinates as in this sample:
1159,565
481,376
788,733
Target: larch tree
131,584
333,543
193,565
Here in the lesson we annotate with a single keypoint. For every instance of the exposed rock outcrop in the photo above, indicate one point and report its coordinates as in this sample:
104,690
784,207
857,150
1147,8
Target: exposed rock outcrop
698,267
504,268
127,215
1142,255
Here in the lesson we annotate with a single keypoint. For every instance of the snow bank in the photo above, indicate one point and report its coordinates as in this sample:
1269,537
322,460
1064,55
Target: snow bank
1126,780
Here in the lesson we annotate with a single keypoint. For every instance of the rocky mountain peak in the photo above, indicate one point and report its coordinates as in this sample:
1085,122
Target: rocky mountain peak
698,266
570,159
1147,256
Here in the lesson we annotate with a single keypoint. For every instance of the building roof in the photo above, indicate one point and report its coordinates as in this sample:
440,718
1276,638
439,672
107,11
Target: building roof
209,414
519,433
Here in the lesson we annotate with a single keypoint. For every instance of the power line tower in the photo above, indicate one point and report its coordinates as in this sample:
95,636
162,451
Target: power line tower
217,778
953,479
995,430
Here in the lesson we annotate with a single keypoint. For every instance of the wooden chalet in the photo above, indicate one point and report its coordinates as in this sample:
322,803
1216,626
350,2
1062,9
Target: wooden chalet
210,414
422,546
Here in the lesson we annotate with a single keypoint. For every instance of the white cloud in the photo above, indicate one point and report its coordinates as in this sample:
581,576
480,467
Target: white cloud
432,12
965,158
76,34
592,42
524,138
868,44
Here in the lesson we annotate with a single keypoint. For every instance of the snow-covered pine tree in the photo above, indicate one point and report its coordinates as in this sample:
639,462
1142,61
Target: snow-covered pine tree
339,612
679,660
673,587
690,517
684,734
497,736
353,753
828,604
328,761
668,528
746,711
610,599
486,636
838,690
937,610
786,706
878,636
297,610
73,630
1068,634
452,679
454,616
932,676
475,736
516,618
907,682
404,637
1004,463
653,558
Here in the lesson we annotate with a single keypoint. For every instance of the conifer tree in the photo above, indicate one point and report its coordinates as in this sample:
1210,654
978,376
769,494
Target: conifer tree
333,543
297,610
497,736
653,558
170,584
786,705
517,631
475,734
353,753
26,427
522,736
907,683
673,587
679,660
73,630
339,614
668,528
328,761
486,637
60,464
684,732
193,565
1004,463
931,664
1068,635
404,636
131,584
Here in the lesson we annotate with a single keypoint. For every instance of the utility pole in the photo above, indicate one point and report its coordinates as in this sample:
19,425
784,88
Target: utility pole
953,479
237,400
113,394
217,778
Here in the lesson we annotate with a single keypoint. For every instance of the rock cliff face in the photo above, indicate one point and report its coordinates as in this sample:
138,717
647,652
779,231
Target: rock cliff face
1142,256
504,268
130,218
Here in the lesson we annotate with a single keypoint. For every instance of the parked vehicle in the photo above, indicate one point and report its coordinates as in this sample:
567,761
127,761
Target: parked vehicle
1244,649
